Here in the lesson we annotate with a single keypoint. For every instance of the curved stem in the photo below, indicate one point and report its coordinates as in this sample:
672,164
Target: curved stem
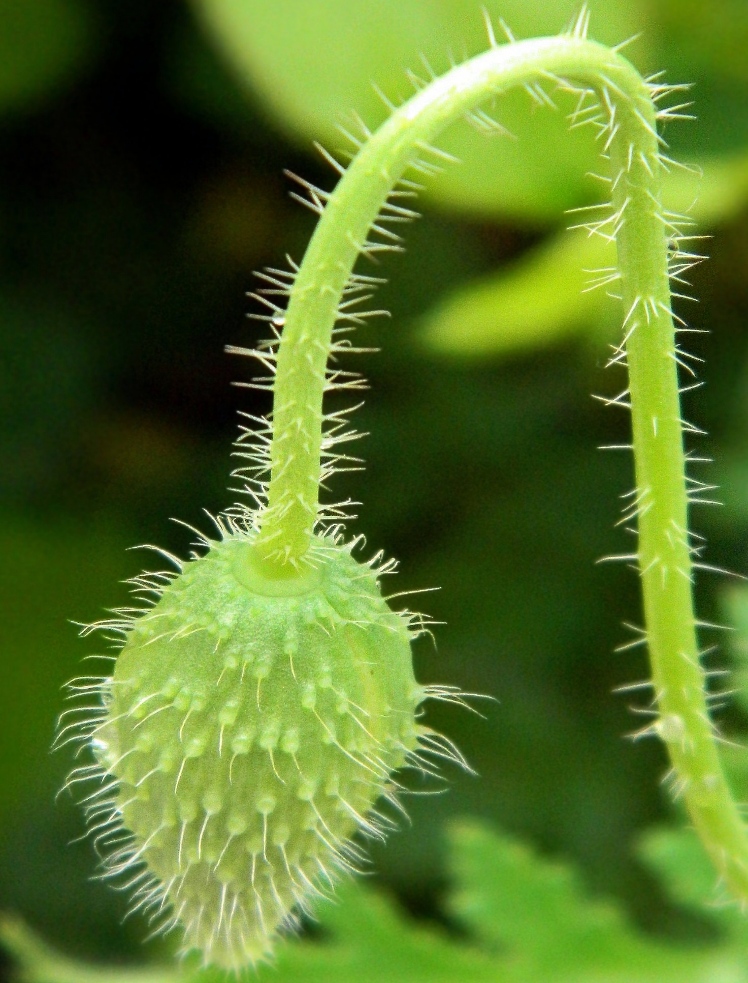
640,227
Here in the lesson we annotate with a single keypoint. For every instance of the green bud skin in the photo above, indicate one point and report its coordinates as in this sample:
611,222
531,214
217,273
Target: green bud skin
250,726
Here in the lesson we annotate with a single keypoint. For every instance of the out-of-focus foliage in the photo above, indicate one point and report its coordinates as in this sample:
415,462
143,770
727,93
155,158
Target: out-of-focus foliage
140,182
43,45
533,177
278,50
540,299
521,919
550,293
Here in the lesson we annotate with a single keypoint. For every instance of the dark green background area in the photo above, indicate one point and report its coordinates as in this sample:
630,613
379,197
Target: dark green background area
140,184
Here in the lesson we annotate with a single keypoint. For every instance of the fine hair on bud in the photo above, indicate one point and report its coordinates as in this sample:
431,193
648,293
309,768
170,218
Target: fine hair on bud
247,738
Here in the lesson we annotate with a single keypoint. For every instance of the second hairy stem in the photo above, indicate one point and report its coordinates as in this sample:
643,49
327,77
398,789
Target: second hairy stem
660,505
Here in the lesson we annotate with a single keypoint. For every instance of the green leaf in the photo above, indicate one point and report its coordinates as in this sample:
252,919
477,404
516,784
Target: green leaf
37,963
527,920
714,191
535,301
538,914
314,63
43,44
681,863
372,942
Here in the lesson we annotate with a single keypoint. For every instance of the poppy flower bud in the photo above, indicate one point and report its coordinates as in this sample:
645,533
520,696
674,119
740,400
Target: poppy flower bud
250,726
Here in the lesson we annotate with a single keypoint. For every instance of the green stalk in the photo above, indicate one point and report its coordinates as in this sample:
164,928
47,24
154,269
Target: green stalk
639,226
661,504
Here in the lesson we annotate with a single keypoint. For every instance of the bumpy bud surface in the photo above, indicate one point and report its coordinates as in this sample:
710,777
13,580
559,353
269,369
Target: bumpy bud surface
250,726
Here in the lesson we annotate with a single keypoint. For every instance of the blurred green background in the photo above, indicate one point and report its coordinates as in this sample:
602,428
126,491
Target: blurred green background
142,147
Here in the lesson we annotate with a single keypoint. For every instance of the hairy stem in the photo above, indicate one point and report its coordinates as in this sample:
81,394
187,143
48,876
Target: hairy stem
640,228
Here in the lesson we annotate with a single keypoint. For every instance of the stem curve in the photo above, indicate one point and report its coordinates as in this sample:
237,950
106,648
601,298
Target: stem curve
641,228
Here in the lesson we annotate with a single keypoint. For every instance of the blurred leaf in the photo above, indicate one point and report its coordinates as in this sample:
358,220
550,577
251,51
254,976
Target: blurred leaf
542,297
705,44
43,44
506,892
714,192
38,963
712,36
547,928
682,864
372,942
315,63
201,81
535,301
530,922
